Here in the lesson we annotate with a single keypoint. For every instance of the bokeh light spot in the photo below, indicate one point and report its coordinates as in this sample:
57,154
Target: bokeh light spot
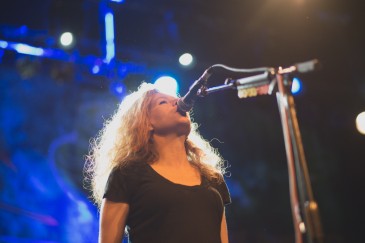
66,39
360,122
186,59
167,85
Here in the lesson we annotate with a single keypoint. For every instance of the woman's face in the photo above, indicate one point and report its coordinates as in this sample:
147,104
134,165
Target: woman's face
165,118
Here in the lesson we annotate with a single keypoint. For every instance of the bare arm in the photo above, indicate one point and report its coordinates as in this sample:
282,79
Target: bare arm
224,231
113,218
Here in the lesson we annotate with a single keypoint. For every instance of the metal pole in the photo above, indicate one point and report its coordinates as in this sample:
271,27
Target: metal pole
294,201
302,203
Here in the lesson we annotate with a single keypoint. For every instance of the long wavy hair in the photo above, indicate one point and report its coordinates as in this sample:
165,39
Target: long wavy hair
126,138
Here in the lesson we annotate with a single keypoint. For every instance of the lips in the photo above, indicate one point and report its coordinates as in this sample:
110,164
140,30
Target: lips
181,112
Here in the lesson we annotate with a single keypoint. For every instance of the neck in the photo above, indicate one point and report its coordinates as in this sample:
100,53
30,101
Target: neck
171,150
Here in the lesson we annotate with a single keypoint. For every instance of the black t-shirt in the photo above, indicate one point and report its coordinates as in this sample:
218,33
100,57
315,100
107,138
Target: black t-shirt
161,211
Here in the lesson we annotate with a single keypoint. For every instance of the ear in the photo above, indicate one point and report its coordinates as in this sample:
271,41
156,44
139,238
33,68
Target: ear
150,132
150,127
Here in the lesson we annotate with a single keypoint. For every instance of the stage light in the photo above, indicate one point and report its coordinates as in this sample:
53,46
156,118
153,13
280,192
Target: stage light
360,122
117,88
66,39
117,1
109,37
186,59
3,44
167,85
27,49
95,69
296,86
23,48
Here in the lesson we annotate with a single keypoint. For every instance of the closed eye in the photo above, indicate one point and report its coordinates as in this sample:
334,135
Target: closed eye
163,102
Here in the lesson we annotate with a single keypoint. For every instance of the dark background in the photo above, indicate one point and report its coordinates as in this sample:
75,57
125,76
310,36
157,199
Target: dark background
51,107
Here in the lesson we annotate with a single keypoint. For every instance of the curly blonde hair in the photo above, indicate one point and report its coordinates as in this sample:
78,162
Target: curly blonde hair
125,139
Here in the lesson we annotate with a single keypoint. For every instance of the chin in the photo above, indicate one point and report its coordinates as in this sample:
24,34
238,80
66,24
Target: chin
184,129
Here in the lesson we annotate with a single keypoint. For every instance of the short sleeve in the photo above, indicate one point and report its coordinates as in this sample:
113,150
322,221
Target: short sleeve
116,188
223,191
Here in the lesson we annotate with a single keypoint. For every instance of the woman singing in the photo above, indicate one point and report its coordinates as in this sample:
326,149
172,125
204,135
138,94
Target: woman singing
153,174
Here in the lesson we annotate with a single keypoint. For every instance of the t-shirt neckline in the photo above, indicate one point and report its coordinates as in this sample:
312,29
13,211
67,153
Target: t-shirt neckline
173,183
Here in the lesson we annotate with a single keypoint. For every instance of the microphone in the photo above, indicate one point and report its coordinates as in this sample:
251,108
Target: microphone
308,66
186,103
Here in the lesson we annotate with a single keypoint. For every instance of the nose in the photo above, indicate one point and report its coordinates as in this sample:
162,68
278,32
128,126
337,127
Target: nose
174,102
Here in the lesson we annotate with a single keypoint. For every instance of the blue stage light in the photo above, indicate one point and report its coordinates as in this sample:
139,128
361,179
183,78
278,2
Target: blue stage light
296,86
117,88
3,44
109,37
95,69
167,85
22,48
27,49
117,1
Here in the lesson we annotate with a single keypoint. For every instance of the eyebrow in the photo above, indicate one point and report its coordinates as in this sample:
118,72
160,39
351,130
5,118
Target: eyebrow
155,101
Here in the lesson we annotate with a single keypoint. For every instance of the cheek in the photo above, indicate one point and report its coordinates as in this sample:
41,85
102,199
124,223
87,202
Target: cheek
157,117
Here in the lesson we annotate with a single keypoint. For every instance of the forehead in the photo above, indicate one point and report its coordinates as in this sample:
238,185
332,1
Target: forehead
158,96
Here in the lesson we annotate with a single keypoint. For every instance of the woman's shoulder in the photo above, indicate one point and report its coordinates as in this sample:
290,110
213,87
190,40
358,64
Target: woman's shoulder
218,183
214,178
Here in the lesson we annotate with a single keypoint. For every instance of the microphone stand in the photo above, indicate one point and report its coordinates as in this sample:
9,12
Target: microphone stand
305,213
